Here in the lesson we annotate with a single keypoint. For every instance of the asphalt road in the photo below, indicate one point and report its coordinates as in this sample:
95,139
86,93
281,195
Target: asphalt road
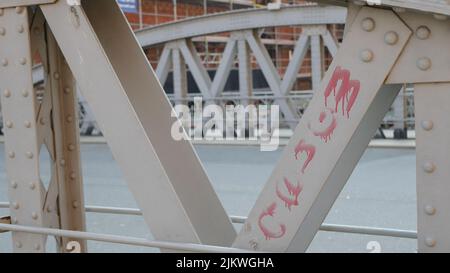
380,193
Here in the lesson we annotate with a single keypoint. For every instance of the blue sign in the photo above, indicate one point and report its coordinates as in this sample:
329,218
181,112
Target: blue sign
128,5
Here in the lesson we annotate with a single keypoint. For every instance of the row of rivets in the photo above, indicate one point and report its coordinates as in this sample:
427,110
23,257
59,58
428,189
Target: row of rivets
391,38
423,33
428,167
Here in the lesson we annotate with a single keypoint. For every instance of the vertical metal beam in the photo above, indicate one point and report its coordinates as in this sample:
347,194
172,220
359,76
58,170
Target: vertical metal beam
67,163
179,77
432,105
245,72
178,202
335,130
196,67
19,107
316,61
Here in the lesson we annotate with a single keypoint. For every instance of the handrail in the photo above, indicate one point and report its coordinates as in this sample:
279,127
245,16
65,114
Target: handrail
388,232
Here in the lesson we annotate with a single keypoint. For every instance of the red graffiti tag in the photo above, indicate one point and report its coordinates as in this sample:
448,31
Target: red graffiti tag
268,234
310,151
348,90
293,190
325,134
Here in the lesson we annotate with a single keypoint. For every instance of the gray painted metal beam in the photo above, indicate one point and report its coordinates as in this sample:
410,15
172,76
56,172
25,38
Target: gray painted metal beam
240,20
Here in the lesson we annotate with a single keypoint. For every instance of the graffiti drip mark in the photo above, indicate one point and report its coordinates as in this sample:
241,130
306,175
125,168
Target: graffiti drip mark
348,90
293,190
325,134
310,151
268,234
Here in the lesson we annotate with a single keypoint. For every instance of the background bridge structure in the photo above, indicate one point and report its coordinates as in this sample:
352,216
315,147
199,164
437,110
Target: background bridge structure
88,47
246,61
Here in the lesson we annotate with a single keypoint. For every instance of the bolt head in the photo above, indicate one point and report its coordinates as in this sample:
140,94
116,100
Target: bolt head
430,242
37,247
2,31
427,125
368,24
34,215
366,55
12,155
15,205
9,124
29,155
27,124
14,185
19,10
5,62
23,61
18,244
430,210
424,63
7,93
391,38
56,76
428,167
25,93
32,186
75,204
20,29
423,33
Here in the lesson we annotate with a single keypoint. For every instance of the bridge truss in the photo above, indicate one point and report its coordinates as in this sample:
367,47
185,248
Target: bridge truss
91,44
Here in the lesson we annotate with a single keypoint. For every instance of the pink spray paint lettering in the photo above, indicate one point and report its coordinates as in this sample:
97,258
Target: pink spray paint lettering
327,125
310,151
294,191
347,93
269,234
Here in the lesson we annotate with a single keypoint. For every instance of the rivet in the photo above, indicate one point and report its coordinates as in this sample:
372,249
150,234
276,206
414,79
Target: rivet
56,76
23,61
427,125
5,62
14,185
37,247
423,32
25,93
430,242
27,124
9,124
18,244
32,185
75,204
42,121
73,175
391,38
20,29
428,167
29,155
368,24
49,209
69,118
430,210
71,147
2,31
67,90
62,162
366,55
15,205
19,10
7,93
424,63
34,215
440,17
12,154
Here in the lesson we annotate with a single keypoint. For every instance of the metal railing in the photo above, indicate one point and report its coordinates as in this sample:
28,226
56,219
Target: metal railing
407,234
